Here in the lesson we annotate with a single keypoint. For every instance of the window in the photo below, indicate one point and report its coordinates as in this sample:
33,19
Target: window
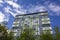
15,34
15,30
34,27
15,23
23,18
45,25
15,27
45,16
17,20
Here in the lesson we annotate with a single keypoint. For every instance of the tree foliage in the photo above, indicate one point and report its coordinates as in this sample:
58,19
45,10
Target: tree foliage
46,36
10,36
57,33
27,34
3,33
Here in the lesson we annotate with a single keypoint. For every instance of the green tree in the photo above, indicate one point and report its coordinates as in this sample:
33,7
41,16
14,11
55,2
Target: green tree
57,33
46,36
27,34
3,33
10,36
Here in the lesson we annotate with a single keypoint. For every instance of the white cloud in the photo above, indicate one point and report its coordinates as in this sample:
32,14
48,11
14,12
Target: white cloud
1,17
37,8
40,8
54,8
49,6
15,5
1,1
11,0
8,10
21,11
17,8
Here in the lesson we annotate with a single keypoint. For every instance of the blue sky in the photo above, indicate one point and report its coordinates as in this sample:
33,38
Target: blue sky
10,8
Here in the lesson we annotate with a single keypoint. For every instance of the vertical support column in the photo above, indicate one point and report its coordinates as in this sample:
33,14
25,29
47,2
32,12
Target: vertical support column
40,24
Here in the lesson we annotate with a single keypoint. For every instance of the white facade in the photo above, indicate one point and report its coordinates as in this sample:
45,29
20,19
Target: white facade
38,21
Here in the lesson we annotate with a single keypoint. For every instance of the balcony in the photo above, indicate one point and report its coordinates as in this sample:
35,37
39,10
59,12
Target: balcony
15,30
45,19
44,14
46,28
15,25
16,22
47,22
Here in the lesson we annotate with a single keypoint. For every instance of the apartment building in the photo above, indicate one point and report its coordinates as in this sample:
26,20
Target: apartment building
39,21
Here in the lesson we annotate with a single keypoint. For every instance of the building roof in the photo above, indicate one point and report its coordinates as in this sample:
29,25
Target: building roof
31,13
